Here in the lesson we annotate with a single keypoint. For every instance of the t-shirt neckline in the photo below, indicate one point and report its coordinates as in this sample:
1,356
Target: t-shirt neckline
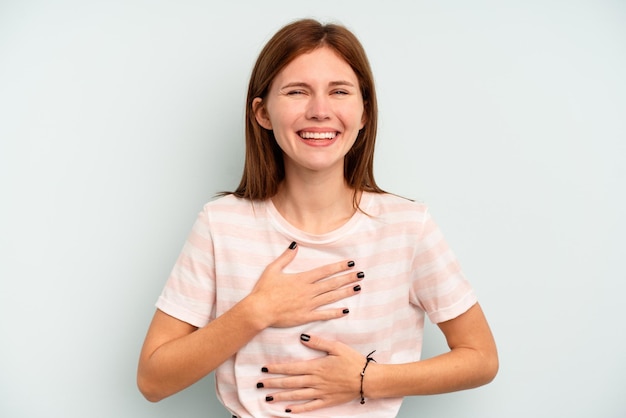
295,234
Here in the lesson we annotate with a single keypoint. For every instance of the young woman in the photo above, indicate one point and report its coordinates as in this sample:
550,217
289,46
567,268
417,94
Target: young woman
306,289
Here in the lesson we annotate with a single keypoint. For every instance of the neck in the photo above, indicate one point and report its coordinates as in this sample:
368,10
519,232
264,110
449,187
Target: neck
317,204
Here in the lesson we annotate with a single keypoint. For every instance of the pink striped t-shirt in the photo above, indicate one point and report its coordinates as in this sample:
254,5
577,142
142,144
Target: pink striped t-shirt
409,271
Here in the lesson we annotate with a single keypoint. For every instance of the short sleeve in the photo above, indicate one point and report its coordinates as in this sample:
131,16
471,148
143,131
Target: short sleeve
189,293
439,287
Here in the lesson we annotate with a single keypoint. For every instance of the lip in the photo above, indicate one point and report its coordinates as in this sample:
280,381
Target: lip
318,135
321,137
319,129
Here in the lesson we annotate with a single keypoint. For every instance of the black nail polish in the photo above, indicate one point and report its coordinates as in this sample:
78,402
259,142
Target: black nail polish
287,410
346,311
360,275
259,385
357,288
264,369
269,398
293,245
305,337
350,263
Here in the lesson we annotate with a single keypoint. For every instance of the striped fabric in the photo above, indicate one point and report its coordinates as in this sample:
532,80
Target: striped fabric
409,273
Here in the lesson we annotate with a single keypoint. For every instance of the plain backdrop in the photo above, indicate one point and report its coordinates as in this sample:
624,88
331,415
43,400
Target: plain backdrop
119,119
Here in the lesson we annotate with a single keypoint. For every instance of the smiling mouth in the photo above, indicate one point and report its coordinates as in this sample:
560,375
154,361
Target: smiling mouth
318,135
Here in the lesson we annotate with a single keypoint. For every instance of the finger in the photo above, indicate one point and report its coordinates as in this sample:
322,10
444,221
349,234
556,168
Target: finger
328,270
296,368
338,288
338,282
332,296
327,314
307,406
297,381
302,394
286,257
320,344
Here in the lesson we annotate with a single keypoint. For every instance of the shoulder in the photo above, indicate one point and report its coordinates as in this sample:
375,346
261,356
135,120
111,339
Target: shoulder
396,213
391,205
230,204
232,210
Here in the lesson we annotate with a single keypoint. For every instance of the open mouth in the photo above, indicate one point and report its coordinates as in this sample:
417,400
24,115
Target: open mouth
317,135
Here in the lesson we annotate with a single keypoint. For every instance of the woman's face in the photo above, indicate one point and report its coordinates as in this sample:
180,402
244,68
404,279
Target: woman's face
315,108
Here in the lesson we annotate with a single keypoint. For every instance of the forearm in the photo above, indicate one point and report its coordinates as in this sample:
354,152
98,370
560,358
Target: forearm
472,361
459,369
175,354
175,365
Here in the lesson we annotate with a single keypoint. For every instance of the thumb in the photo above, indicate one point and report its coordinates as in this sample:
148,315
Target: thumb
319,344
286,257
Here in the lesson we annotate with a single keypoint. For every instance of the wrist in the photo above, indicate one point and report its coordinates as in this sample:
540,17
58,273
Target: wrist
254,311
368,365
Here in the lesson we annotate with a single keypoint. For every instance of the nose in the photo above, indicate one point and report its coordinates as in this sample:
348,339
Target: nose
318,107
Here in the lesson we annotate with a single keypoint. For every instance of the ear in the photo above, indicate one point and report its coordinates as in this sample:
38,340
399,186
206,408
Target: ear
363,118
260,113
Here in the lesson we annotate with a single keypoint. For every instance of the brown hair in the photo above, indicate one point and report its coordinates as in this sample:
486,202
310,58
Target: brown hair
264,166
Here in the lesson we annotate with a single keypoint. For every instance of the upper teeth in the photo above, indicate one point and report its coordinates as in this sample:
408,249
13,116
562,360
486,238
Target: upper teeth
318,135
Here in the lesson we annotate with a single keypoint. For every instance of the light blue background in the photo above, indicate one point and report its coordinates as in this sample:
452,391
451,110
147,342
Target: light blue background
119,119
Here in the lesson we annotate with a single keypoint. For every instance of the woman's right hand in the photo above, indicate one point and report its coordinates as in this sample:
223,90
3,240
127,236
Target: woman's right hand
175,354
290,299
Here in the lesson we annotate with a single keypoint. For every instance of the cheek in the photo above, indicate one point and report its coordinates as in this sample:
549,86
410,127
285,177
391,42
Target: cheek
283,119
355,113
355,118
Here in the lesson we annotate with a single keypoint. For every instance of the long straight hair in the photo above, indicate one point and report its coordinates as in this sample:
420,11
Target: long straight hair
264,167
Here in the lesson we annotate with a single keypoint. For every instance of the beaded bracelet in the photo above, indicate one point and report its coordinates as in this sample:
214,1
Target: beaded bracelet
367,361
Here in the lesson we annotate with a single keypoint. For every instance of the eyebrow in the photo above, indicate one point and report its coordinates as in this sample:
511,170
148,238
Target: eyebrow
331,84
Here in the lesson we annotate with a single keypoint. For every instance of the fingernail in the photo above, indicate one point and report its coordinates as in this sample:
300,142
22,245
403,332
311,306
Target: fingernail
264,369
350,263
293,245
357,288
346,311
360,275
305,337
269,398
287,410
259,385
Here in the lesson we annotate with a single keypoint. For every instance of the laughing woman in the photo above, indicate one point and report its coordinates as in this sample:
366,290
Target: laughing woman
306,289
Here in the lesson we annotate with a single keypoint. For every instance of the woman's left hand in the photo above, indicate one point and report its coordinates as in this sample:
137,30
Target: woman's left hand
322,382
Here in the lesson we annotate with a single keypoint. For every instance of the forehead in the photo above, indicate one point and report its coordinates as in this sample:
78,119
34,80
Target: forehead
320,64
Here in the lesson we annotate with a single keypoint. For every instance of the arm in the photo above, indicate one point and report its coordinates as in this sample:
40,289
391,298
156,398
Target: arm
334,379
176,354
472,361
